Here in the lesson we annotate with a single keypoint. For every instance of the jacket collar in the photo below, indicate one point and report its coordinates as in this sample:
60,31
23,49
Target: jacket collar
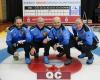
40,28
61,27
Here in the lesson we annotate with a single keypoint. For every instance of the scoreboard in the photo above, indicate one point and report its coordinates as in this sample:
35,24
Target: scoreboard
67,10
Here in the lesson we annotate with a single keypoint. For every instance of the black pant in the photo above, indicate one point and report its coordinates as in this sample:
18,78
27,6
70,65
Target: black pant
84,48
65,49
13,49
38,45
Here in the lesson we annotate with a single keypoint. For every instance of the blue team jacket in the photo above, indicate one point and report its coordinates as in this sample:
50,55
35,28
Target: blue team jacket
15,34
61,34
85,34
37,34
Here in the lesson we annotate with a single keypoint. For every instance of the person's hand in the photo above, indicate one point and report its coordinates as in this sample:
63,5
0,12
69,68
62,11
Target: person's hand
76,38
21,41
59,45
45,41
33,51
55,47
80,43
45,33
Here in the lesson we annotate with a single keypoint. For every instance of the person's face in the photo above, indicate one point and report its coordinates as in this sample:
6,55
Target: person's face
40,23
56,23
79,26
18,22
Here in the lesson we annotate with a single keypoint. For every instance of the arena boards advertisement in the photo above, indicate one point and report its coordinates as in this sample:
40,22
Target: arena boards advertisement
68,10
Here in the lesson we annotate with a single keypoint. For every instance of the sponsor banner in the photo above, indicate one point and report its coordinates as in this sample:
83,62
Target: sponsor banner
48,19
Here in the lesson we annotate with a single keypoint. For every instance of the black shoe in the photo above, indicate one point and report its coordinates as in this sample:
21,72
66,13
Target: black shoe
60,54
90,61
68,61
36,55
82,56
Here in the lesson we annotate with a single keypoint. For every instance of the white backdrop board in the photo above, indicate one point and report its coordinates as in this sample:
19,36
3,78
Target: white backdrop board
68,10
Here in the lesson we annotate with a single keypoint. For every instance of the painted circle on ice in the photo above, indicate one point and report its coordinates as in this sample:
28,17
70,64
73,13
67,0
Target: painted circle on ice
37,65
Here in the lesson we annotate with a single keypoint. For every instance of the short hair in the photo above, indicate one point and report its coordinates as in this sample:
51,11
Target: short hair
78,21
41,19
56,19
18,17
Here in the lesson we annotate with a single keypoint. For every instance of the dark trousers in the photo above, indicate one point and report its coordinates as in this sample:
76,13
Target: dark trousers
65,49
84,48
38,45
13,49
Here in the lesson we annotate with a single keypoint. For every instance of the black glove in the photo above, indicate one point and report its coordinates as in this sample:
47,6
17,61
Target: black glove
10,49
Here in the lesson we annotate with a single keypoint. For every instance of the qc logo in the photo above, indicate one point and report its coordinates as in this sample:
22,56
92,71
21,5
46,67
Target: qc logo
53,75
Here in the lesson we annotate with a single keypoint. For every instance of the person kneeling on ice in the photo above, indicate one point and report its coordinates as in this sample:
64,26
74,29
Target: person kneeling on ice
86,40
58,36
39,34
18,36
